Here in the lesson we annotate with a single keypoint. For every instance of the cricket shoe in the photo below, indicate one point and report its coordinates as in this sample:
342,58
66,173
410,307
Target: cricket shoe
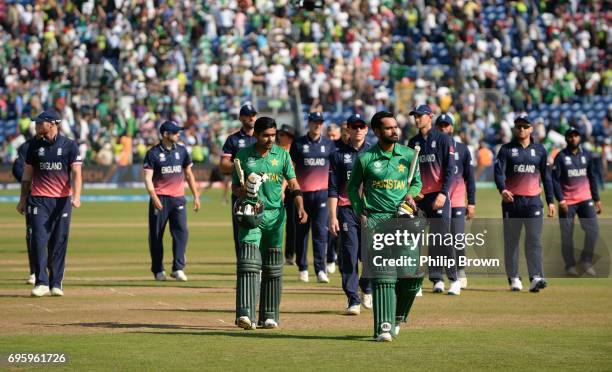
245,323
536,284
455,288
40,290
303,276
31,279
57,292
462,279
515,284
366,300
270,324
179,275
160,276
290,261
384,337
571,271
588,269
331,267
419,293
353,310
322,277
438,287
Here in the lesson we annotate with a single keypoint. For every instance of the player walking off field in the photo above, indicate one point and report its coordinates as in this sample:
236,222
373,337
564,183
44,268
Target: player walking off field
382,172
576,190
462,185
519,167
437,165
166,167
52,163
261,220
343,221
234,143
311,154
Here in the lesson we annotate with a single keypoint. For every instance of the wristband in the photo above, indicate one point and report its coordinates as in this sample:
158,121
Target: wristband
297,193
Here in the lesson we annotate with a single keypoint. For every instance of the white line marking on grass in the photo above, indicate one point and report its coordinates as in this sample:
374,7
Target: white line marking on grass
121,292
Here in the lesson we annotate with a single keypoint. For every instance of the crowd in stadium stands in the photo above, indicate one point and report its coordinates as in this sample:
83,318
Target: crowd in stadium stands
116,69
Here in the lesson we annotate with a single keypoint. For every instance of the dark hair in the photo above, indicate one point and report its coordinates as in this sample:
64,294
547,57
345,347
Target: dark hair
377,119
264,123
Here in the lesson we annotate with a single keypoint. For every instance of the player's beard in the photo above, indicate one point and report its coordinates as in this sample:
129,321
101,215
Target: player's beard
388,140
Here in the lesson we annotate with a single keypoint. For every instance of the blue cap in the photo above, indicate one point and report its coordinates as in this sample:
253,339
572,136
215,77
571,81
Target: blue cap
315,116
572,130
170,126
247,110
522,118
444,118
354,119
421,110
47,115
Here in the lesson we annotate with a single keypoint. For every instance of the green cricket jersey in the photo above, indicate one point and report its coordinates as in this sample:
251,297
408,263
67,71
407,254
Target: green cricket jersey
384,176
276,165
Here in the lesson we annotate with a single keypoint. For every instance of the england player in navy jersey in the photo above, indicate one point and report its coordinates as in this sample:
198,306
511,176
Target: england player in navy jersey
166,167
462,186
519,167
50,187
576,190
342,219
234,143
310,154
436,164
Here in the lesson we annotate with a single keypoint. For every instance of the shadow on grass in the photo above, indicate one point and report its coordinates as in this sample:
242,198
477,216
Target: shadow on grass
264,334
15,296
142,284
231,311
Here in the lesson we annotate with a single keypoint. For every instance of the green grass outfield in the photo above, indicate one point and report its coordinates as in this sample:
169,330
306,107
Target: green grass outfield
115,317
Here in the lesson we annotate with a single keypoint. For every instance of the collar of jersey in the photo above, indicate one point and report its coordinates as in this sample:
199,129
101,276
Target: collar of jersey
382,153
163,149
57,138
308,139
273,150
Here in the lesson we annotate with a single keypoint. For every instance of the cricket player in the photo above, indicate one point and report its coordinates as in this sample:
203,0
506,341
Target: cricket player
310,154
261,219
437,165
462,183
166,167
576,190
17,171
382,172
52,163
343,221
234,143
519,167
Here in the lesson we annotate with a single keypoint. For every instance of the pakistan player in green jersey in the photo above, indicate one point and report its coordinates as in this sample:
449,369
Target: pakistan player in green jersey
266,165
382,171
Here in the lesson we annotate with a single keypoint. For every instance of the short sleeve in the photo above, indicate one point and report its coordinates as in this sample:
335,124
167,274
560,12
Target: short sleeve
75,155
148,162
30,157
187,162
288,170
229,149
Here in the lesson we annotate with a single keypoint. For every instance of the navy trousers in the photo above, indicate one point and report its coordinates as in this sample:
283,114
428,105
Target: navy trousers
28,245
524,211
235,227
350,255
290,225
174,211
458,227
439,223
50,224
315,203
588,220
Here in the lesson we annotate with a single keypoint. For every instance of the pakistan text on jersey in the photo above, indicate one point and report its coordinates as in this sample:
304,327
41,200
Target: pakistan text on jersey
314,161
51,166
273,177
171,169
389,184
577,172
524,168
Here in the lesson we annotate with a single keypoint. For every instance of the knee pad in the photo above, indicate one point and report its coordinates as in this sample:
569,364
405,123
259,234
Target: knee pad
249,259
273,263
